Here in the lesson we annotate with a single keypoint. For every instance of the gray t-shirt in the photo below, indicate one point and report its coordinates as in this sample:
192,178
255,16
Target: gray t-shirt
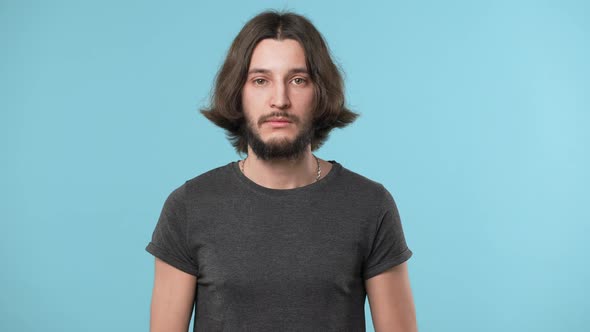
280,259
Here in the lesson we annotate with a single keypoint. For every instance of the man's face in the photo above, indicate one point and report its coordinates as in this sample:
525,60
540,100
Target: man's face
278,86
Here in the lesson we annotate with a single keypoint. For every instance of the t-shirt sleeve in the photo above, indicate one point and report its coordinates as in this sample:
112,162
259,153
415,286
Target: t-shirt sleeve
169,238
388,247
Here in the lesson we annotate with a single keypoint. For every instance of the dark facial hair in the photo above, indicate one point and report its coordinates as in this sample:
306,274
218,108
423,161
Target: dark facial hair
279,148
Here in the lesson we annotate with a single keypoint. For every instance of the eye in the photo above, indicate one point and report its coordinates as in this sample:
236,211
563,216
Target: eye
299,80
259,81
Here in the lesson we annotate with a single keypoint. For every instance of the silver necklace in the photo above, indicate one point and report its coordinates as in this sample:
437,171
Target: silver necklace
319,169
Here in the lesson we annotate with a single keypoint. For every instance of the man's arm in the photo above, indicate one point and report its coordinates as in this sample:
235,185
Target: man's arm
172,299
391,302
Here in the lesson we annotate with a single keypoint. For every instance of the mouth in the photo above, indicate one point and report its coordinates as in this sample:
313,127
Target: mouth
278,120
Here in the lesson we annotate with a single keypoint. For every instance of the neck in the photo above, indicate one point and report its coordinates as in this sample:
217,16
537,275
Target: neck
282,173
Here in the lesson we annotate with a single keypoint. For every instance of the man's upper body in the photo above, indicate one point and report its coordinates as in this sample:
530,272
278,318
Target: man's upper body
297,259
282,240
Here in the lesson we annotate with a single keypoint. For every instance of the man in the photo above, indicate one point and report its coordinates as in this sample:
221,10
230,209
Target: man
281,240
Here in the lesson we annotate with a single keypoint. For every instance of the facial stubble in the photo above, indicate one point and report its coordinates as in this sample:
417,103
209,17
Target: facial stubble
279,148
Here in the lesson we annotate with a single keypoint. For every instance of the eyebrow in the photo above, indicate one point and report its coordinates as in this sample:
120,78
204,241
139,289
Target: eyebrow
266,71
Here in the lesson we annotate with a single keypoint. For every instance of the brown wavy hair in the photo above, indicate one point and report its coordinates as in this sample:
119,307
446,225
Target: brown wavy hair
329,111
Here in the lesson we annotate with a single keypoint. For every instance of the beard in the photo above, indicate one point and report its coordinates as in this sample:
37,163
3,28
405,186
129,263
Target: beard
279,148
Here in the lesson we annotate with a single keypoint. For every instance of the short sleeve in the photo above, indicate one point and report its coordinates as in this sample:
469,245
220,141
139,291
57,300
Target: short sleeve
169,238
388,247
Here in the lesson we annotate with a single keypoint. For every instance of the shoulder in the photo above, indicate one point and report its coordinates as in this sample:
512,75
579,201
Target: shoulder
353,191
206,183
210,175
207,180
363,186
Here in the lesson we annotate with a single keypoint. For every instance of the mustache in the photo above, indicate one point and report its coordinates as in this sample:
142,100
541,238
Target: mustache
288,117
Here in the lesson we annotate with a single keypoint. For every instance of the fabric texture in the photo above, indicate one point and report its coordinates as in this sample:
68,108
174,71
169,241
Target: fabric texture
280,260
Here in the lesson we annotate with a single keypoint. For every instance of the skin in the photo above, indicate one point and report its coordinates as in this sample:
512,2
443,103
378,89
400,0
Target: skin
172,299
280,158
391,301
278,85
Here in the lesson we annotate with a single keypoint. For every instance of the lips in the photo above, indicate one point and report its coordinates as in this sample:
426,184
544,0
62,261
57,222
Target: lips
278,120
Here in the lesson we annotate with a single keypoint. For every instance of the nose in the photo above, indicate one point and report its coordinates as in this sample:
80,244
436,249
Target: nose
280,98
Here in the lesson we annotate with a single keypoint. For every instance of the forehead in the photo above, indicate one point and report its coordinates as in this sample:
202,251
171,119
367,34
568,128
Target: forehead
275,55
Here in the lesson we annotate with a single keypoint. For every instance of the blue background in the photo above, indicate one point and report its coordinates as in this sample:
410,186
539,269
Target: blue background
474,115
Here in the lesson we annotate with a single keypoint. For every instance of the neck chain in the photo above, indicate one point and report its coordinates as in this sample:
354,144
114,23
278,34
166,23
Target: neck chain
319,169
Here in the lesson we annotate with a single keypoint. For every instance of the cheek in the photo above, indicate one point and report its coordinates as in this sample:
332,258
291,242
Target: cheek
246,93
304,97
250,97
311,96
